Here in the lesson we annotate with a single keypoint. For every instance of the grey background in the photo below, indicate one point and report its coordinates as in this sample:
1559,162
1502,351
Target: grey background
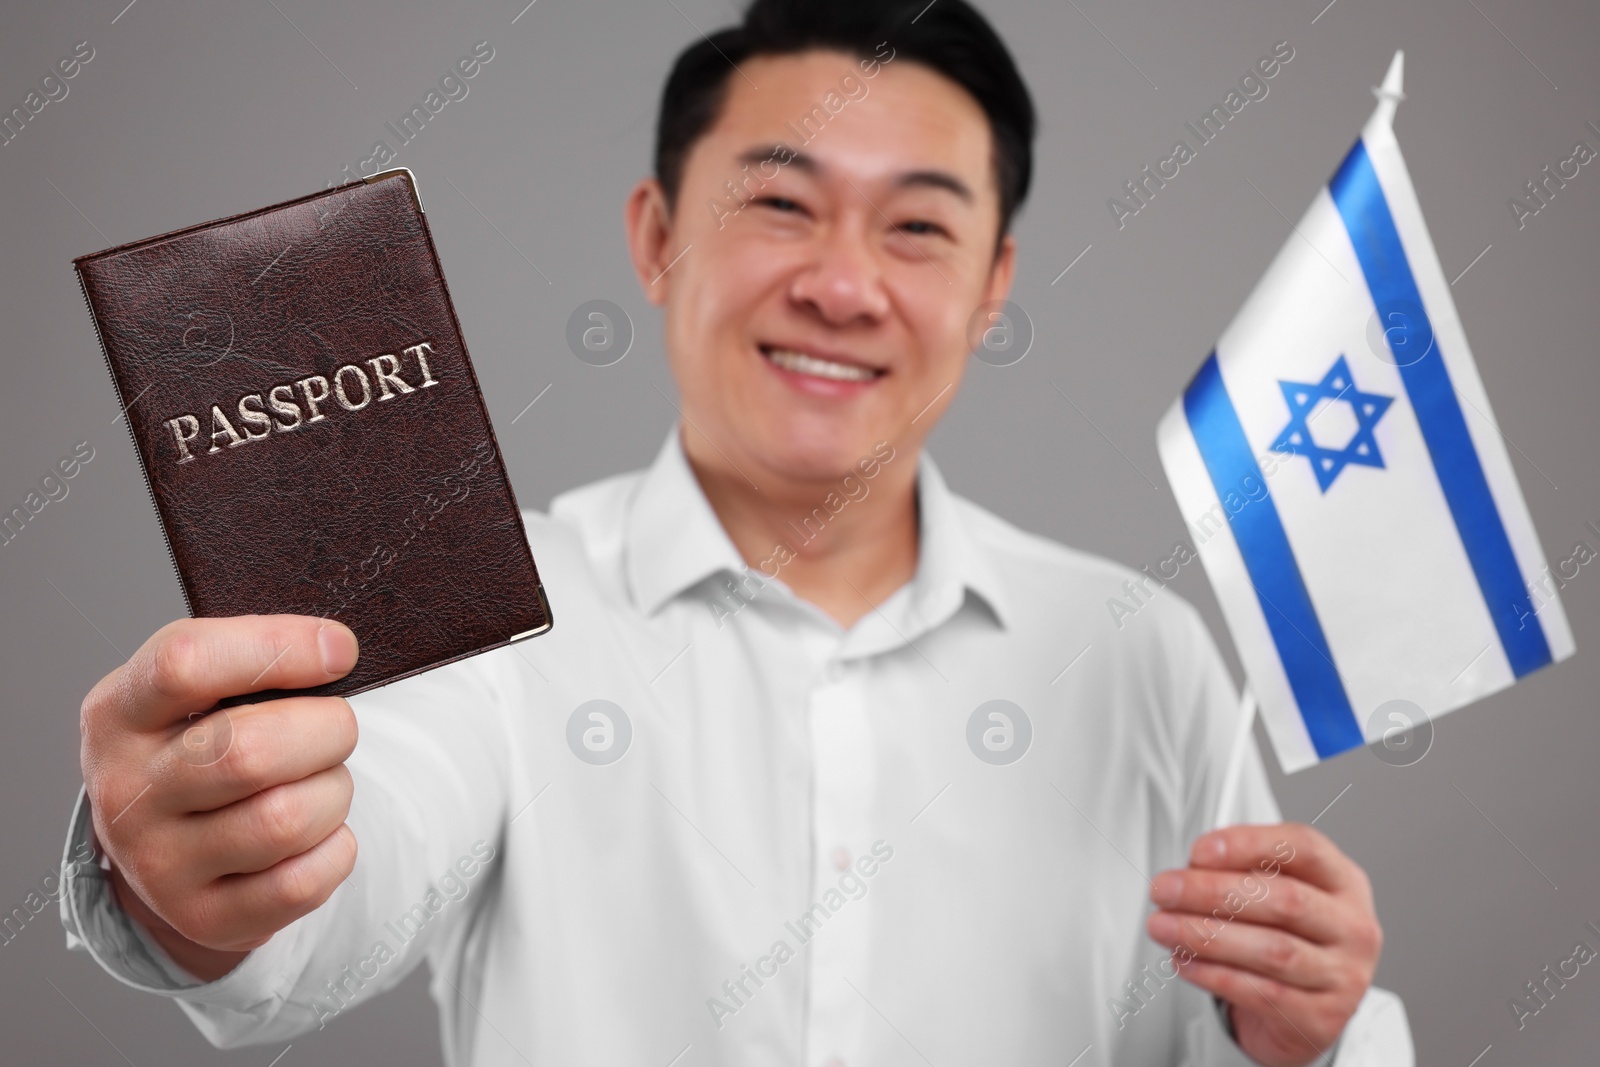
191,111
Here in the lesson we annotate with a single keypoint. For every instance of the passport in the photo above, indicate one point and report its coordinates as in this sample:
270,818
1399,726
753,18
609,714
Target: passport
311,430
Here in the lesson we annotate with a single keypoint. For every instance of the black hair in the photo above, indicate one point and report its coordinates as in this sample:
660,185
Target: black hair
948,36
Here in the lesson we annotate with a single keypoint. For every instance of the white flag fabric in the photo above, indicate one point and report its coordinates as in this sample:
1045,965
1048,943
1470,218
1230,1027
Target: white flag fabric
1345,481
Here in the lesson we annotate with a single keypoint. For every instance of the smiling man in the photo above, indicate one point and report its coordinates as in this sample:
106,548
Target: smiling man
824,765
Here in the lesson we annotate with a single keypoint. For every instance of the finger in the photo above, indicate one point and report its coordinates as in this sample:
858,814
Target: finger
1281,901
1261,950
188,665
234,753
242,912
260,831
1302,850
1265,997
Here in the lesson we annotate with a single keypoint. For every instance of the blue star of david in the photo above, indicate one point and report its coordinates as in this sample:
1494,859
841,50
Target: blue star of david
1336,387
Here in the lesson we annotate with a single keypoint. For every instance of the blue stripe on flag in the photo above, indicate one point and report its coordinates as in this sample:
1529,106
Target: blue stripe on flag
1269,560
1359,197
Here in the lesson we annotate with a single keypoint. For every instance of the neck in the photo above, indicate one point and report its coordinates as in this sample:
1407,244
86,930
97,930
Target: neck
843,543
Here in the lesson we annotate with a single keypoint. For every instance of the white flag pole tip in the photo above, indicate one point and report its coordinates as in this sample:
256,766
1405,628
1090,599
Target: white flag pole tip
1391,92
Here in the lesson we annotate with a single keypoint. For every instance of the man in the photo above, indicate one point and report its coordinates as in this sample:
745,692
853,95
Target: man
823,764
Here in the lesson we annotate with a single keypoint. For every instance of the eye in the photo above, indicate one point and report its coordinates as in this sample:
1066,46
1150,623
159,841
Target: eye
922,227
779,203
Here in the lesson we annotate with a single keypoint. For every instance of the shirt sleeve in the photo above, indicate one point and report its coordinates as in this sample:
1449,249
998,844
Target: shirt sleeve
1378,1034
432,772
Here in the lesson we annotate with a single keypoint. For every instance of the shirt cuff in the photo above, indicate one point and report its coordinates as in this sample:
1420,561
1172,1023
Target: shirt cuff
1377,1035
95,923
1329,1055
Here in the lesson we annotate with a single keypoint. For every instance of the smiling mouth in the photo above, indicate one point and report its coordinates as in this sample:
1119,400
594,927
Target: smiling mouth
803,363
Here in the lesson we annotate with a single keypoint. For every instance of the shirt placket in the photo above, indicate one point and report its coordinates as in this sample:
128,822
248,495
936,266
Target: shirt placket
836,927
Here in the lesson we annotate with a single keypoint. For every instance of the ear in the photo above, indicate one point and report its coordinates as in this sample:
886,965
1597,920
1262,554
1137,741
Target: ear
1003,270
649,227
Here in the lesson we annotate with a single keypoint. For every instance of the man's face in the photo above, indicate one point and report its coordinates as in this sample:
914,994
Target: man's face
825,307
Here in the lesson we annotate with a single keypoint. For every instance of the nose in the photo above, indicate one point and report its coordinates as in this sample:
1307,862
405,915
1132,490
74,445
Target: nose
843,283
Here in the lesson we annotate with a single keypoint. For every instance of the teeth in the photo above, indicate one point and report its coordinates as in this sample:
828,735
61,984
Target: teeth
801,363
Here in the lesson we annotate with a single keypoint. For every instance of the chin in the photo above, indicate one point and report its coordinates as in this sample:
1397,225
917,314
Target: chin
805,451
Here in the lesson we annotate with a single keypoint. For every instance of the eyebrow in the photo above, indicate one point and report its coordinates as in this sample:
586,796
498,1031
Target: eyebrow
927,178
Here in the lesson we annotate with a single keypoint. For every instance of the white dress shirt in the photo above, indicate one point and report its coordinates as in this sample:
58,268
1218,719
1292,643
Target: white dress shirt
795,844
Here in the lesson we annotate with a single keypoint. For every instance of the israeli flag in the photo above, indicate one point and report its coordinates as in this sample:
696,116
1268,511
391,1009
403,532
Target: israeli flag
1345,482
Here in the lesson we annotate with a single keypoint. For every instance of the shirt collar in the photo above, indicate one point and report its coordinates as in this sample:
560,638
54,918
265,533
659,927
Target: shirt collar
674,541
952,559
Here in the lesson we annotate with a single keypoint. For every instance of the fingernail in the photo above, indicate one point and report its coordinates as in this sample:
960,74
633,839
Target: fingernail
1166,888
1211,848
338,647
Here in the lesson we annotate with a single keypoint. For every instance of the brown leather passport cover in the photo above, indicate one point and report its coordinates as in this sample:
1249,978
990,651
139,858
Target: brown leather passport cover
311,429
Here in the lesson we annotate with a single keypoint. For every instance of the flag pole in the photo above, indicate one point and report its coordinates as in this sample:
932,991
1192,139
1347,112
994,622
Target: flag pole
1235,765
1392,91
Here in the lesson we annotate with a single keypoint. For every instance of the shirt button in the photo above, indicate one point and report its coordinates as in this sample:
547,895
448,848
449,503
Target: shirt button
841,862
835,1062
